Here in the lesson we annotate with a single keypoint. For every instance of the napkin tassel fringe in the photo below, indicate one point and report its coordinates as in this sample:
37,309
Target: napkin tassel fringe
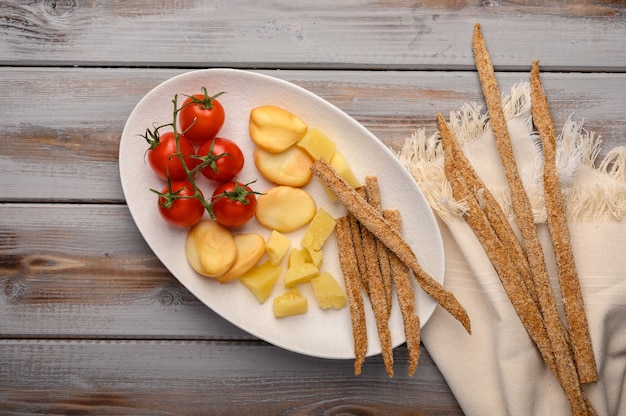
605,199
422,156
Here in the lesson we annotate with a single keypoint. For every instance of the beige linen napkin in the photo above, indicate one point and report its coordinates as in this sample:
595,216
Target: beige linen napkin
497,370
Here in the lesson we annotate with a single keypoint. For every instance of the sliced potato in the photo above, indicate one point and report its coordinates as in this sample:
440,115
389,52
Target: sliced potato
291,167
275,129
277,246
261,279
290,303
328,291
285,208
317,144
250,249
210,248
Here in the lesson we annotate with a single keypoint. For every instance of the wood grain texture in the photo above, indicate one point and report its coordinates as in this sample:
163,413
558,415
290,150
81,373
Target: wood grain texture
90,321
324,34
84,271
204,377
81,112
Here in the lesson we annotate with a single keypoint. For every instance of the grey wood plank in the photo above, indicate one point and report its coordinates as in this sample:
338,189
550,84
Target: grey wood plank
572,35
64,121
217,378
72,271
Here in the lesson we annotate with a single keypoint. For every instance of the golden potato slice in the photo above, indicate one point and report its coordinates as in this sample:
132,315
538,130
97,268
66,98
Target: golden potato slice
290,303
261,279
285,208
250,249
275,129
291,167
210,248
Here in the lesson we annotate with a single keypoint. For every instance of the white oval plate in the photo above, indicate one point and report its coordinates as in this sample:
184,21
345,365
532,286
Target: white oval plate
319,333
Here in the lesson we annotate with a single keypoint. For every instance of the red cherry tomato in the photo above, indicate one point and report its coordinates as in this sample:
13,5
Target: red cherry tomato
162,156
201,117
234,204
223,159
177,205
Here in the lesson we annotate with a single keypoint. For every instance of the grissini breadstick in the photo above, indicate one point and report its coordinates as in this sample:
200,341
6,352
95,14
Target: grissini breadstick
377,293
352,282
573,303
377,225
355,229
523,213
528,311
492,210
374,198
406,298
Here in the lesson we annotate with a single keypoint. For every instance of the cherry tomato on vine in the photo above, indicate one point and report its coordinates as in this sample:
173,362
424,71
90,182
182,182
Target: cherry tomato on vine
201,117
162,155
223,159
234,204
178,205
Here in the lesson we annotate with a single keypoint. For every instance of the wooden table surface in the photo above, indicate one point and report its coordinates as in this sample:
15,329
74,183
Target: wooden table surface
90,321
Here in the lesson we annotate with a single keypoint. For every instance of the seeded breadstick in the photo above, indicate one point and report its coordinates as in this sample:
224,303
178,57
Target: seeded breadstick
406,298
355,229
377,225
498,254
492,210
373,197
557,223
350,271
523,212
377,295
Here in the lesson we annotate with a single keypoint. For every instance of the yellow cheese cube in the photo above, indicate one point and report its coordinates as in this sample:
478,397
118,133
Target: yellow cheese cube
328,291
300,273
315,256
261,279
318,230
277,246
340,164
290,303
298,256
317,144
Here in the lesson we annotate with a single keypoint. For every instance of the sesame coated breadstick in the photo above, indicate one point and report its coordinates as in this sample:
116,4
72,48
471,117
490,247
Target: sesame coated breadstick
374,198
373,220
406,298
377,294
455,167
352,283
573,303
523,212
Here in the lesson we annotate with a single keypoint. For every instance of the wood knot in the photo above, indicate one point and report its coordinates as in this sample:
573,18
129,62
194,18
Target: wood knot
168,296
59,8
12,289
